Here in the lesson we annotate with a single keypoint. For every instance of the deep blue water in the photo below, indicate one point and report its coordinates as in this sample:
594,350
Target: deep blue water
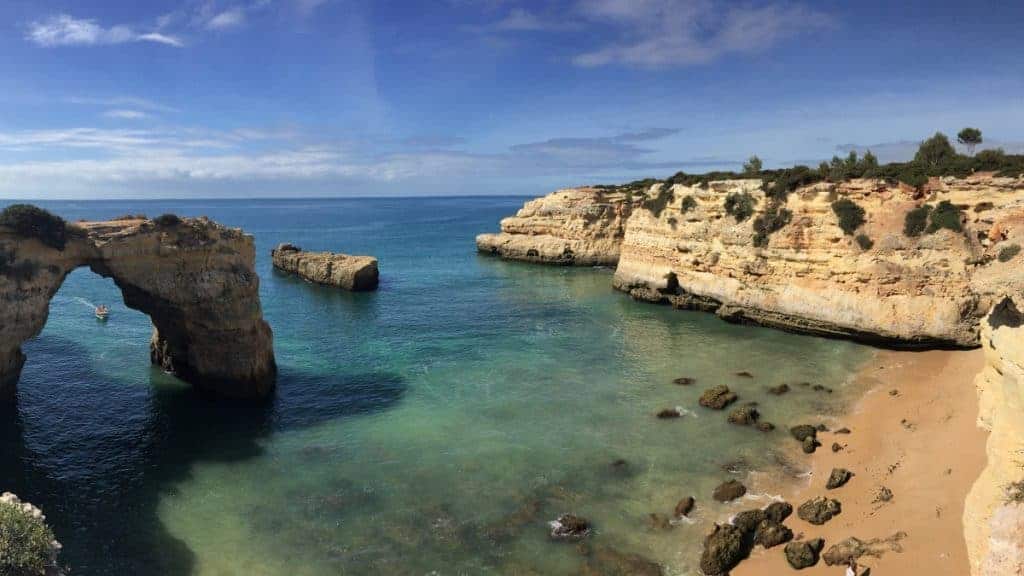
434,426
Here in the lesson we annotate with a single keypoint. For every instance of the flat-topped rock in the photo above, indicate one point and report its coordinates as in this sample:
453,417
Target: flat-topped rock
356,273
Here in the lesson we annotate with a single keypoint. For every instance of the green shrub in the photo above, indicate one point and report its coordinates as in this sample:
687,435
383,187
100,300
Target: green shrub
916,220
774,218
30,221
935,152
688,204
865,242
25,542
739,205
657,204
167,220
945,215
851,216
1008,252
914,175
788,180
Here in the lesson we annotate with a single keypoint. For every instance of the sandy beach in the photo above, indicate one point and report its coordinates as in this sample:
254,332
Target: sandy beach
914,433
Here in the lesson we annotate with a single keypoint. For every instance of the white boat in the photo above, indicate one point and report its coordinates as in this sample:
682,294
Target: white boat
102,312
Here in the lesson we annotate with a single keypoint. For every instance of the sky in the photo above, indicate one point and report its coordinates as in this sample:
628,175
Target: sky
301,98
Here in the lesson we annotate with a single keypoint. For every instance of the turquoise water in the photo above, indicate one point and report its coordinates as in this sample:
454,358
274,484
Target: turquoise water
433,427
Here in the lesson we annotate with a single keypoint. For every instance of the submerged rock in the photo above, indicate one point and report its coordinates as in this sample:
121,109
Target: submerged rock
659,521
778,390
744,374
669,413
685,506
765,426
605,561
569,527
724,548
804,554
819,510
729,490
744,416
838,478
684,381
770,534
717,397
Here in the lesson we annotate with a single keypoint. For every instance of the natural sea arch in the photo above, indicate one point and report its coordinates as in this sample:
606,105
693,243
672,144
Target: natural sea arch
194,278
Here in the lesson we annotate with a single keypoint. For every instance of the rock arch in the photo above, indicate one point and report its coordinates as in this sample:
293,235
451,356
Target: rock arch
194,278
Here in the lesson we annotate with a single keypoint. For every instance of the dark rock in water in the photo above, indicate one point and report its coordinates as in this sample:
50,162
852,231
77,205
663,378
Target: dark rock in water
748,520
765,426
659,521
668,413
620,467
836,447
820,388
729,491
569,527
744,416
770,534
778,390
818,510
843,431
810,445
717,397
685,506
744,374
802,555
778,511
684,381
724,548
838,478
611,562
738,466
853,548
803,431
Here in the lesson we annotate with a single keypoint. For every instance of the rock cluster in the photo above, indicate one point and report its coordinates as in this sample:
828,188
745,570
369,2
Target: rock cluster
194,278
356,273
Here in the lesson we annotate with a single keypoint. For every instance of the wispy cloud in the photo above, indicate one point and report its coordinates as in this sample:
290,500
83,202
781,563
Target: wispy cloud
230,18
121,102
125,114
662,33
65,30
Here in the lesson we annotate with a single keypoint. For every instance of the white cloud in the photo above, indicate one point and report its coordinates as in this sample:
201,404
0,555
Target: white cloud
65,30
230,18
124,114
121,102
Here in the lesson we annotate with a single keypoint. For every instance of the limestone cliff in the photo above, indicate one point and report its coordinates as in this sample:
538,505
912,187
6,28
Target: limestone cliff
357,273
576,226
809,276
193,277
994,511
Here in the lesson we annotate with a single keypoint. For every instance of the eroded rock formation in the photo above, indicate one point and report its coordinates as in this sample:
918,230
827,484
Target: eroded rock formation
576,226
357,273
994,510
194,278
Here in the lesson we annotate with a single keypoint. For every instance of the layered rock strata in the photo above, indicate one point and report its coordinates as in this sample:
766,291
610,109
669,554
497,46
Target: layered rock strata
575,226
809,276
357,273
194,278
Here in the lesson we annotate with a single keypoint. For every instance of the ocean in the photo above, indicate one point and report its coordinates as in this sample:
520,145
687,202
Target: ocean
435,426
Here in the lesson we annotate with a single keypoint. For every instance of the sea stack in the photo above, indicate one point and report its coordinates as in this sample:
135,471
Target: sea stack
355,273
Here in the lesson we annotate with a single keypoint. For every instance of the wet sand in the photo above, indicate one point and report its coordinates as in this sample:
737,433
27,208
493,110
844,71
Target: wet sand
920,442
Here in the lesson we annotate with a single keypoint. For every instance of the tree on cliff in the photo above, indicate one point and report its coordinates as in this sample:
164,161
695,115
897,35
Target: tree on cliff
935,152
753,166
969,137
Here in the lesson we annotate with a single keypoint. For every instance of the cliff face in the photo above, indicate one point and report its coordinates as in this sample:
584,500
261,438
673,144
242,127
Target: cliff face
357,273
576,226
811,277
993,520
195,280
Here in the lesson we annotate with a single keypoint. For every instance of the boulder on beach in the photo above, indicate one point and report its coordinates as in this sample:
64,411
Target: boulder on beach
803,431
770,534
748,520
728,491
818,510
838,478
853,548
724,548
810,445
804,554
744,416
717,397
778,511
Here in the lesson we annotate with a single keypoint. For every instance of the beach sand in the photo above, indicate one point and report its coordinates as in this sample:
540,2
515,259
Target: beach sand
922,443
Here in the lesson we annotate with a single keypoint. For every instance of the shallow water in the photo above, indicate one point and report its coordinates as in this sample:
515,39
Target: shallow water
432,427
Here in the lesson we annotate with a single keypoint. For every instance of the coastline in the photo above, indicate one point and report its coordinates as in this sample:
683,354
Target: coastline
922,443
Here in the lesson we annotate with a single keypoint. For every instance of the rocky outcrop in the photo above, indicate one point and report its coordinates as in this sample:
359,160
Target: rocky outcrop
994,513
576,226
809,276
356,273
194,278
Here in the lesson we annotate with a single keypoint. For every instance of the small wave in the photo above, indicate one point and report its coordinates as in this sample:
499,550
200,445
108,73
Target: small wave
764,496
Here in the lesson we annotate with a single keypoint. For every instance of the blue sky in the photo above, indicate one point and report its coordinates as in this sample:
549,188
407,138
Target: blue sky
246,98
